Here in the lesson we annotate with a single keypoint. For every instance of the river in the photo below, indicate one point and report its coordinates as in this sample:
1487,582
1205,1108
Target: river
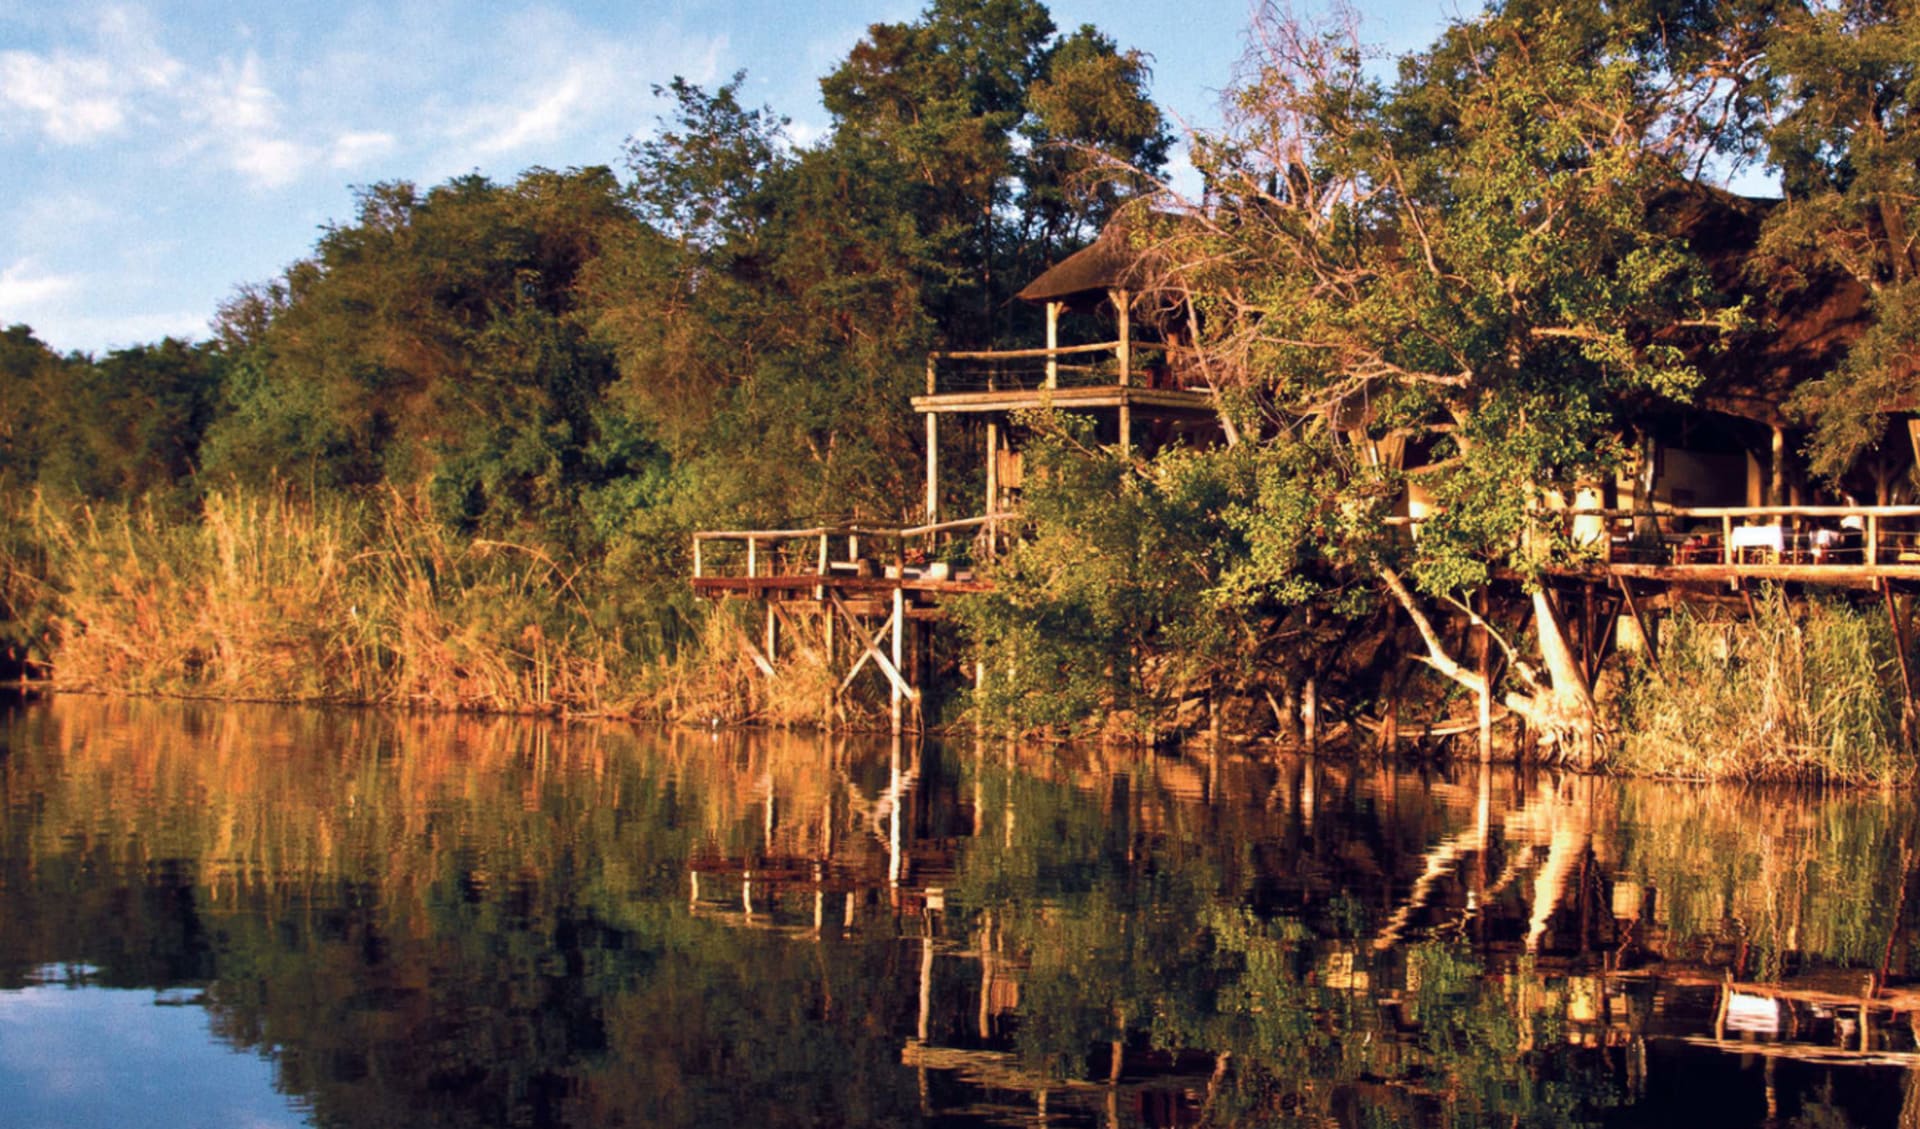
252,916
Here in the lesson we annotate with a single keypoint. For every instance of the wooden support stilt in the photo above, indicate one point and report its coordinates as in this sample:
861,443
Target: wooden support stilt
900,688
979,687
832,704
1901,646
1777,467
993,466
872,651
1310,713
1053,342
1646,635
933,469
759,658
871,648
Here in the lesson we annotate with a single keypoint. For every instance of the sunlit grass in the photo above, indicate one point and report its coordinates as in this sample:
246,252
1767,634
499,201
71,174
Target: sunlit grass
1797,691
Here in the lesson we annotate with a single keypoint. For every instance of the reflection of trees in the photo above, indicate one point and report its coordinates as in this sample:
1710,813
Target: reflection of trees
445,921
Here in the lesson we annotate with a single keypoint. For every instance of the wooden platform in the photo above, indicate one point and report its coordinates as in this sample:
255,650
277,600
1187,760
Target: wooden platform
1863,577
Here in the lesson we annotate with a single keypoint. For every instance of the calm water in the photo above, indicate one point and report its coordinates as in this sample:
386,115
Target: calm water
258,917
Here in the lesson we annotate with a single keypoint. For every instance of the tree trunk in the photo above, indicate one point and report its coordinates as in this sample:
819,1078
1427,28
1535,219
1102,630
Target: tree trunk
1558,706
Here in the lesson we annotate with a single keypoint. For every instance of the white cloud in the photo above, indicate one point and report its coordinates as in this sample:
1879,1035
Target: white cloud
24,288
236,114
269,162
77,97
549,79
356,148
503,129
70,100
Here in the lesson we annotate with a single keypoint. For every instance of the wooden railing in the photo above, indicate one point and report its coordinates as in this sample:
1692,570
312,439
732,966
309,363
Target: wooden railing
912,550
1068,366
1721,536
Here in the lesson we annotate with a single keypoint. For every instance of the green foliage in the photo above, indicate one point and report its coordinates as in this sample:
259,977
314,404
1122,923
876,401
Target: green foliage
1108,605
432,343
124,426
1844,79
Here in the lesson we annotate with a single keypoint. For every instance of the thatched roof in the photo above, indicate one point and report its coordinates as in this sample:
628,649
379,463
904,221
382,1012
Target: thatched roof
1109,263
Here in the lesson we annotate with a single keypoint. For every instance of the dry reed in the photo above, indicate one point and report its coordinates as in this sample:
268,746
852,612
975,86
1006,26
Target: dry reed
273,596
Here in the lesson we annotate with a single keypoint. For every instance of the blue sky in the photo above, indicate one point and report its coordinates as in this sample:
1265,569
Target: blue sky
153,156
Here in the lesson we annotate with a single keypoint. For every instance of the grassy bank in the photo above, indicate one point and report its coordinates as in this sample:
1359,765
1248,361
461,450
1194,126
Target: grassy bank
275,597
1798,691
267,596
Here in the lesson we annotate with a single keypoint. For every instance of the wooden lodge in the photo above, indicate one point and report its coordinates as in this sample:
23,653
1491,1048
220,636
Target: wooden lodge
1715,504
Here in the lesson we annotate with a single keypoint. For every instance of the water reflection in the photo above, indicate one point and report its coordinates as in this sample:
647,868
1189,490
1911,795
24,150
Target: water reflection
459,922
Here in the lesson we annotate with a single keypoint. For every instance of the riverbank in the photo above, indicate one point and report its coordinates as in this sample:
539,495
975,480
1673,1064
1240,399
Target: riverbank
268,597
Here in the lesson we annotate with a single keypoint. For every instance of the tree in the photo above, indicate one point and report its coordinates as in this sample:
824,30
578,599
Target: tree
1465,265
433,343
773,313
31,380
1844,81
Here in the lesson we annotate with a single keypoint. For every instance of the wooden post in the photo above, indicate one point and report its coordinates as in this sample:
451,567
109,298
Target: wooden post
753,557
1726,537
697,572
899,651
832,713
1777,479
1873,539
1124,351
933,470
1053,342
993,485
979,684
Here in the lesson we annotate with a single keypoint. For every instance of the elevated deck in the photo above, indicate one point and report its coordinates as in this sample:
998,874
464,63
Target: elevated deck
1864,547
849,561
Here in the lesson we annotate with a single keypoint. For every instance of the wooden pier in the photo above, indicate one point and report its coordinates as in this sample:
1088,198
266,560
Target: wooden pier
880,586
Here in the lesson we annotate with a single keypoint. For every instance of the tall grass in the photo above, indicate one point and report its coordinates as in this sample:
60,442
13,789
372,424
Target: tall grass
1798,691
274,596
268,596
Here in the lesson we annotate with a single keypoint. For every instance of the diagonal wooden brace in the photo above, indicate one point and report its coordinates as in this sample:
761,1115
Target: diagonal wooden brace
872,651
860,663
